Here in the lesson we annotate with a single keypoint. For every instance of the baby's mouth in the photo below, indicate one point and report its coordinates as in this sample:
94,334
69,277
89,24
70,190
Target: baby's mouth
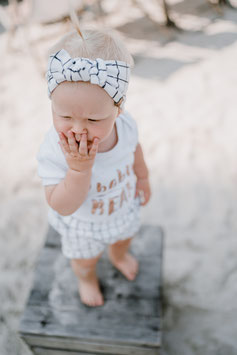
78,139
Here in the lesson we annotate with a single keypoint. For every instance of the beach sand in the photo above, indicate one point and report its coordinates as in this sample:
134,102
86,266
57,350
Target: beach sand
183,97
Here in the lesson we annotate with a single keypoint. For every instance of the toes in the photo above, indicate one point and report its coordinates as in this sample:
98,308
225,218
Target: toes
133,270
131,276
91,300
128,266
100,302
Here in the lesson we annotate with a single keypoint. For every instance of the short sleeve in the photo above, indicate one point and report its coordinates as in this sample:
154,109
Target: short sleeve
130,129
52,166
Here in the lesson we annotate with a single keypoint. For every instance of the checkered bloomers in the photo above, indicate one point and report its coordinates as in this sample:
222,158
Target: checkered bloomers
86,240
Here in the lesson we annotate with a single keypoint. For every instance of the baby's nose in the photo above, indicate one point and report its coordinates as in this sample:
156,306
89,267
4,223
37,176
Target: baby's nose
79,129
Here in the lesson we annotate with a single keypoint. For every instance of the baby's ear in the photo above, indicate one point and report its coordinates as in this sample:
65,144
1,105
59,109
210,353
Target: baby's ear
119,104
119,111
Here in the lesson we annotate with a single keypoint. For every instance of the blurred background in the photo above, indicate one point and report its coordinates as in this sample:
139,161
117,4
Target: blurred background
183,96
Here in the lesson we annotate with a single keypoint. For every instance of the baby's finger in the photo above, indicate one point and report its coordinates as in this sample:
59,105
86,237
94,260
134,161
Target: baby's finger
63,150
64,143
83,144
94,147
72,142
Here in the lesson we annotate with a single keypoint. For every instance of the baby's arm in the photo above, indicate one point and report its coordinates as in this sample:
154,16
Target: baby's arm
71,192
141,172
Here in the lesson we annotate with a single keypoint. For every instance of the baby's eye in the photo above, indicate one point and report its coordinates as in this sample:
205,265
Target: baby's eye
66,117
91,120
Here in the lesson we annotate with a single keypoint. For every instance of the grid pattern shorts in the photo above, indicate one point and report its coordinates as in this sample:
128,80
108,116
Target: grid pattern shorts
86,240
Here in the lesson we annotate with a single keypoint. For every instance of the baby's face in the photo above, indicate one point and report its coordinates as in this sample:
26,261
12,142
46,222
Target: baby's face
83,106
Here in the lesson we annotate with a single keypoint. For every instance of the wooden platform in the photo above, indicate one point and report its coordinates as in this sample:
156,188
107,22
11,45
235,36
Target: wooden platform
55,322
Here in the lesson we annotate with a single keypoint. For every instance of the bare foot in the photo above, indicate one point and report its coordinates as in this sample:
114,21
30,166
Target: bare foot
128,265
89,291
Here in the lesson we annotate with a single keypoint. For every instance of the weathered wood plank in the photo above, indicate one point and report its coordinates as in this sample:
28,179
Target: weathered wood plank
54,317
44,351
63,344
132,351
118,329
48,287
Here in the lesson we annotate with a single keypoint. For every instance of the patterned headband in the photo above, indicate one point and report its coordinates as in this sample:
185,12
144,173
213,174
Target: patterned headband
111,75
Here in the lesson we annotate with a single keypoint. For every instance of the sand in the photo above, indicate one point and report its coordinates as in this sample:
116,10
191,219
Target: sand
183,97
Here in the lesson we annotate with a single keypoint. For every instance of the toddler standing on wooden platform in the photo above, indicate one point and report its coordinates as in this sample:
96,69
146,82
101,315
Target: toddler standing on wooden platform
90,162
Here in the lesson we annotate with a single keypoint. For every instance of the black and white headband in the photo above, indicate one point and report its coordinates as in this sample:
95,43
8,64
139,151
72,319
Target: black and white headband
111,75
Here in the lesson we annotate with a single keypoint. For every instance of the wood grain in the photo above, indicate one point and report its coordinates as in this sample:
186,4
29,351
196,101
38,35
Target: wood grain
55,321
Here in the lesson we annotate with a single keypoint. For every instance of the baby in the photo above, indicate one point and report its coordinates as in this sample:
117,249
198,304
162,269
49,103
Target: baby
90,162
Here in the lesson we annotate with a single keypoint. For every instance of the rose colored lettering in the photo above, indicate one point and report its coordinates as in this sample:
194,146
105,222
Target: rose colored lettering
112,183
97,205
121,176
100,187
123,198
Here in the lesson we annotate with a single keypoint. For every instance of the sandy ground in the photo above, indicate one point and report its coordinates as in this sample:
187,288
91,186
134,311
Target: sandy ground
183,96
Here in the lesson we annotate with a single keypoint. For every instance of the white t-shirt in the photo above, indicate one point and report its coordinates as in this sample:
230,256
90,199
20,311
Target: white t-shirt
113,181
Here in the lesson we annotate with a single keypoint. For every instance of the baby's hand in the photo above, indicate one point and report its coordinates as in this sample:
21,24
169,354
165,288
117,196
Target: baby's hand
77,155
143,190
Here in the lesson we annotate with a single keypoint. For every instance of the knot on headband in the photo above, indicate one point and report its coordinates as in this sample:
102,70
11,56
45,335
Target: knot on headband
111,75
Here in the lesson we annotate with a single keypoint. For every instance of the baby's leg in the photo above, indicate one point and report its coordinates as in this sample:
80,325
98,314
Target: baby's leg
122,259
89,289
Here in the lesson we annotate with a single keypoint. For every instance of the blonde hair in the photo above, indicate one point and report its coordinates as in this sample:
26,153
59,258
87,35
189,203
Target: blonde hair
94,44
